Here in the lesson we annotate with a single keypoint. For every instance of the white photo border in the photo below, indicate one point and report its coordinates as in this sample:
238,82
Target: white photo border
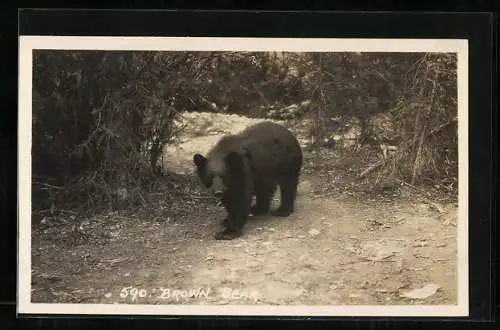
27,44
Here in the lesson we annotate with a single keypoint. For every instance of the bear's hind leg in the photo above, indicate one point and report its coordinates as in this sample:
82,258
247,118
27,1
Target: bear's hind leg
288,190
264,192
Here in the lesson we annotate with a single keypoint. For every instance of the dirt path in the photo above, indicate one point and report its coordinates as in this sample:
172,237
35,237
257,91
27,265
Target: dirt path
335,249
331,251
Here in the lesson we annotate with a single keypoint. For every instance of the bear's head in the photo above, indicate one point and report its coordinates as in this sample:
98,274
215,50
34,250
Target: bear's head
219,174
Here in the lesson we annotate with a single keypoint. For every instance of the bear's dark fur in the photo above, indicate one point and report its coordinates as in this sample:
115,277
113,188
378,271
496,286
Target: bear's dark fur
252,163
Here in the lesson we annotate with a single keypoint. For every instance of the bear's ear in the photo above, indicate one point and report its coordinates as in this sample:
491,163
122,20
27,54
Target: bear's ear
234,159
199,160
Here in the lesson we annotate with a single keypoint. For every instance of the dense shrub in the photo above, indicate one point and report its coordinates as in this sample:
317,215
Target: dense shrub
426,119
417,91
95,116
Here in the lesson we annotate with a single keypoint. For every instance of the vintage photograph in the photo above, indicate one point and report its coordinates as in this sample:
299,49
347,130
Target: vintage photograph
244,177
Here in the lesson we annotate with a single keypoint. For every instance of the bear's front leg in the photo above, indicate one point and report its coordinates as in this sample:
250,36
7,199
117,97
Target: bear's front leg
233,227
225,201
234,223
228,234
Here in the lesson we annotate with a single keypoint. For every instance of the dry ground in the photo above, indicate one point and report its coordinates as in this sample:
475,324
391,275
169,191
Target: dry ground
341,246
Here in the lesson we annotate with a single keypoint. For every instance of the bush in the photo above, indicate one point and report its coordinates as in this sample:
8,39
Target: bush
426,119
96,115
417,91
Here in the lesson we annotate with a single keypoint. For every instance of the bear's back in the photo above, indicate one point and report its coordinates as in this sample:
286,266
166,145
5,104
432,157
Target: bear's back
271,146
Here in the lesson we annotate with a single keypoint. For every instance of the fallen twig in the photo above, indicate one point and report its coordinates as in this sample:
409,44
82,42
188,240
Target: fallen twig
48,185
370,169
411,186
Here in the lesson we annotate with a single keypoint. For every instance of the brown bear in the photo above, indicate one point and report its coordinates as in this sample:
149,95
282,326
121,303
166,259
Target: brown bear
252,163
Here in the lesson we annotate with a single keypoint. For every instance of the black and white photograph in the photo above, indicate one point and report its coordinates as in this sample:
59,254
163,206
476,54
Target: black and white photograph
243,176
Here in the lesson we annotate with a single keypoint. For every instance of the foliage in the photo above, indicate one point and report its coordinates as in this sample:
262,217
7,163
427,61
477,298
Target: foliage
358,85
426,119
417,91
235,82
95,116
101,119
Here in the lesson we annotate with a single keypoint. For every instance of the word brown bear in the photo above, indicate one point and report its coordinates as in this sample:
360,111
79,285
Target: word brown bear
252,163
